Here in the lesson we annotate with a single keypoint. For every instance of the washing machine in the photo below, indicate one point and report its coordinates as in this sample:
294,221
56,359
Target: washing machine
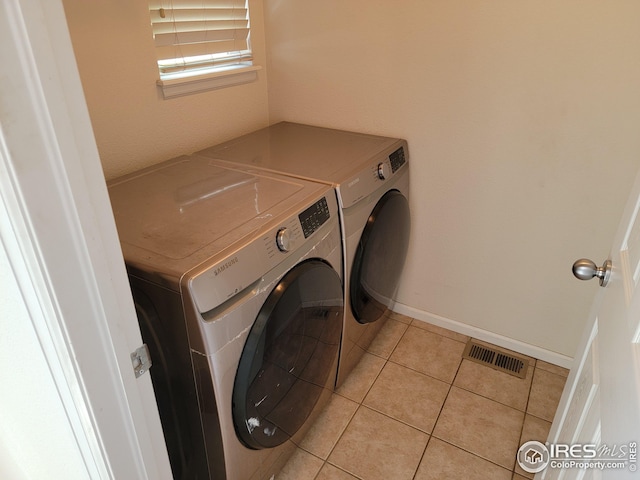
370,175
236,278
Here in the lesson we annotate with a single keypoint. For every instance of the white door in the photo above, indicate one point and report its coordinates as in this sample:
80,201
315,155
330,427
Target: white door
72,321
599,412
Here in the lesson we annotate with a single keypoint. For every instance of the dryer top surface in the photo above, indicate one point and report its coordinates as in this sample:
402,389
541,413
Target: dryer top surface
177,214
304,151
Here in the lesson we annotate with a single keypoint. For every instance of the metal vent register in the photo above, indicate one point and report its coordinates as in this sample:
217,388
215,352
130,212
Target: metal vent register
491,357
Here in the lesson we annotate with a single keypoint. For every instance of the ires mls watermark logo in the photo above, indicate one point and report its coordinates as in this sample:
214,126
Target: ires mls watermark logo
534,457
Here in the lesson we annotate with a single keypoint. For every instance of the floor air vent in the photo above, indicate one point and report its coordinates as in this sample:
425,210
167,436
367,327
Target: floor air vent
496,359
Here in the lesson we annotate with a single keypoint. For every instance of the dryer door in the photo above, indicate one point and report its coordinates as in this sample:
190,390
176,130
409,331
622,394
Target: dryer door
290,356
379,258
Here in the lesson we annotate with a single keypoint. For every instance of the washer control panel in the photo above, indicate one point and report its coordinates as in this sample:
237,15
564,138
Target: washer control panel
237,269
289,235
314,217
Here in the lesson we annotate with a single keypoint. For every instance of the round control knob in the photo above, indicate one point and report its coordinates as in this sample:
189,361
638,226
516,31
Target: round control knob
283,240
382,171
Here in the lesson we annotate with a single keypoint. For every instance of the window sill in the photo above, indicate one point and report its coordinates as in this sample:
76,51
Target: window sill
177,85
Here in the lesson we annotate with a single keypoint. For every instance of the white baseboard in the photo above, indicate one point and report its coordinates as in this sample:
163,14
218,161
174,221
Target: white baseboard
486,336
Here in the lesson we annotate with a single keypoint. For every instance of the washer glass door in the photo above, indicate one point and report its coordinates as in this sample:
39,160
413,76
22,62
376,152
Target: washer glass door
379,258
290,356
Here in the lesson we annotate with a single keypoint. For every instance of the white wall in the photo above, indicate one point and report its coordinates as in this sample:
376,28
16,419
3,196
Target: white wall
133,125
522,122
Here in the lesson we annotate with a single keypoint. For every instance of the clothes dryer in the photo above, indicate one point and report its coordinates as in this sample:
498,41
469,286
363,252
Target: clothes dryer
371,178
237,286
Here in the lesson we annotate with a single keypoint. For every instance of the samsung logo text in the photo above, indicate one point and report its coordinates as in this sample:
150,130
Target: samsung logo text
225,265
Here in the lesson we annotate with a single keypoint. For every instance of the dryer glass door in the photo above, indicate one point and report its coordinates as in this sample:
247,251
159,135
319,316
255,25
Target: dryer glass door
290,356
379,258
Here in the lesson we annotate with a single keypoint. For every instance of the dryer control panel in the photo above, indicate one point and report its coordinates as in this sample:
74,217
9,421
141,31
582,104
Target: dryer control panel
382,168
397,159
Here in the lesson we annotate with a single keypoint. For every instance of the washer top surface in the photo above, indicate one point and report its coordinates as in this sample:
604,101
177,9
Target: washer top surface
305,151
173,216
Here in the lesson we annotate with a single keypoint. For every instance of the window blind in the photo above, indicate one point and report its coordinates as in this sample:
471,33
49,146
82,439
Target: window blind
200,34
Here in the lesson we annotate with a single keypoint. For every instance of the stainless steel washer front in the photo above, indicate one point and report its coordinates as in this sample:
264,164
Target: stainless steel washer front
243,330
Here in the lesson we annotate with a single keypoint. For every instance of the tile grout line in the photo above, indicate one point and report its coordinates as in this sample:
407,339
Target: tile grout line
524,419
450,384
386,358
362,405
475,455
424,452
467,389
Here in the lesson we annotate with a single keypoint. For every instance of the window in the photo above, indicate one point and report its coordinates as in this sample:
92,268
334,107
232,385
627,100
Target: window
201,44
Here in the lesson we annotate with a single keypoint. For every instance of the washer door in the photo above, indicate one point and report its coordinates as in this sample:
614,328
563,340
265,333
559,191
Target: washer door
380,257
290,356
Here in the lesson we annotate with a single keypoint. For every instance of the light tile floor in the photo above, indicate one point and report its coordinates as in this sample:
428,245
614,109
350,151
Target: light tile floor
414,409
